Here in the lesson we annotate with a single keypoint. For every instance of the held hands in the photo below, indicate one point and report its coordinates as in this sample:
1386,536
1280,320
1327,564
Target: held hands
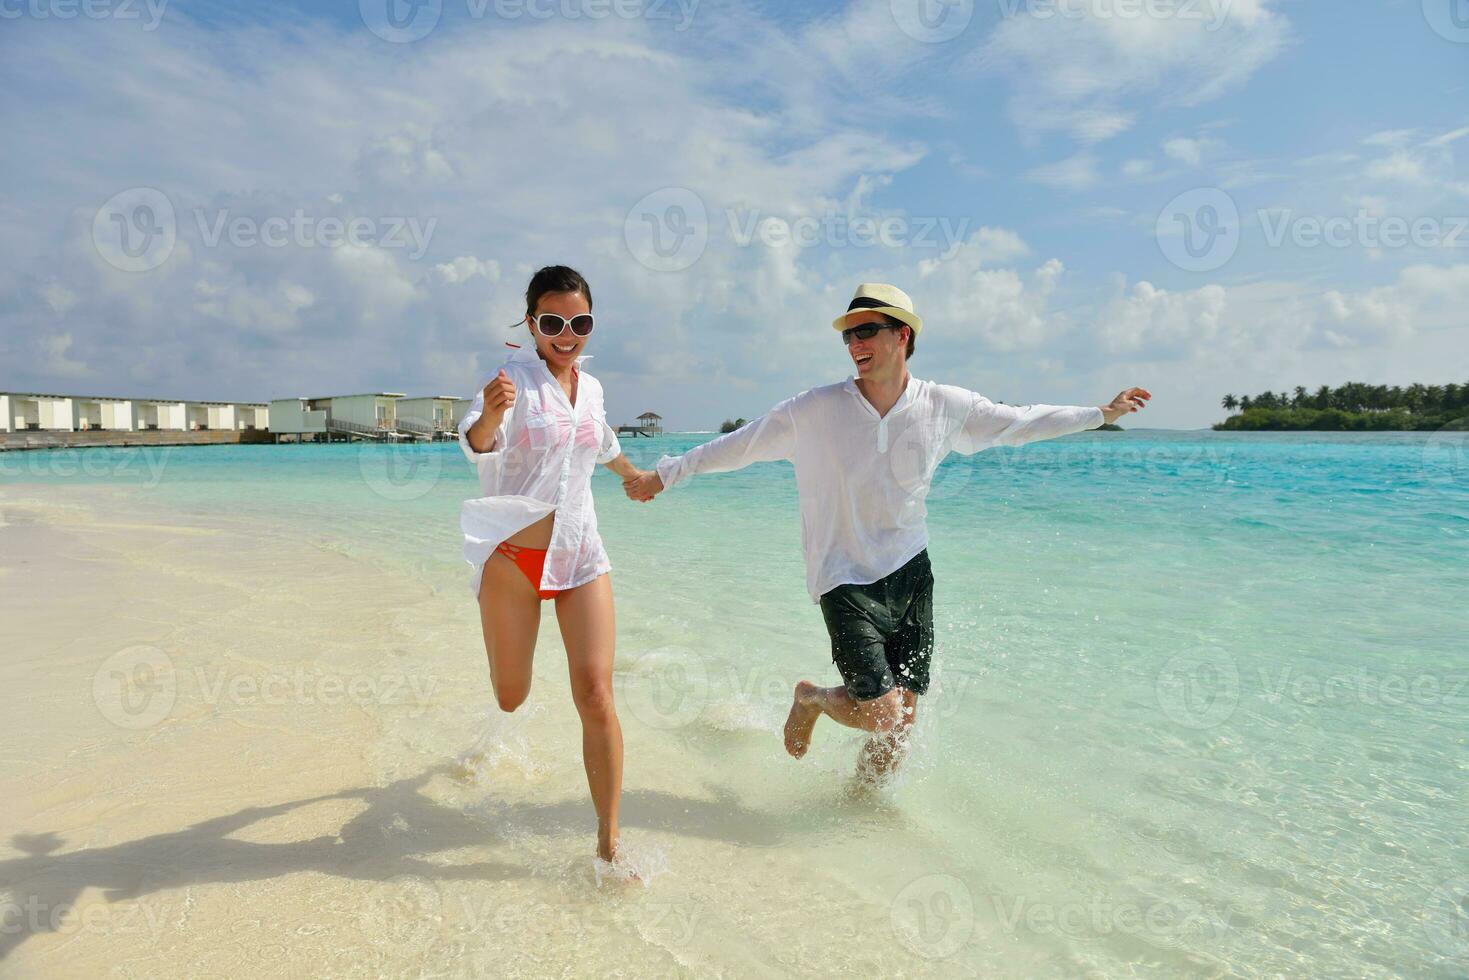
644,486
1130,400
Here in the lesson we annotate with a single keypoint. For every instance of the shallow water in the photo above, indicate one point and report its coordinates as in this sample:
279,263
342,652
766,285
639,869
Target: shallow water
1200,709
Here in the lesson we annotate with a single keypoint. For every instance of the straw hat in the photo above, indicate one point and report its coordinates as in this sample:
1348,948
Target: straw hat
882,298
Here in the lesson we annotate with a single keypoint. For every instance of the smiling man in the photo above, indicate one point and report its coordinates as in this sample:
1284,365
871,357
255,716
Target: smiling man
865,451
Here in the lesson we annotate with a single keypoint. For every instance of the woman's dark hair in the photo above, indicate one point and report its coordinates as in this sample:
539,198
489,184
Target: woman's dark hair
555,279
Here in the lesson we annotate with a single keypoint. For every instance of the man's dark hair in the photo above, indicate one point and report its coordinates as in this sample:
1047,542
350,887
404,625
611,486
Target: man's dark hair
893,321
555,279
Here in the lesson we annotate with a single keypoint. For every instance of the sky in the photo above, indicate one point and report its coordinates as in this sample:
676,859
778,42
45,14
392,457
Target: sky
1201,197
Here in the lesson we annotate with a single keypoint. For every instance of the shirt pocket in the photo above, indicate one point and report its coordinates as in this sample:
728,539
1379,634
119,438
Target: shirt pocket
541,426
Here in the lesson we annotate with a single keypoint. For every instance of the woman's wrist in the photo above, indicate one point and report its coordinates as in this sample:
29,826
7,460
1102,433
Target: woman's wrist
482,434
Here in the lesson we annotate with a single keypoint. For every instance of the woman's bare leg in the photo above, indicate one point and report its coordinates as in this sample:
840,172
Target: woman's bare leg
510,615
589,632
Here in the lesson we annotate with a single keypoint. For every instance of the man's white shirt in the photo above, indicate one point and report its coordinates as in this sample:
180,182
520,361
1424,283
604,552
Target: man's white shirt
863,478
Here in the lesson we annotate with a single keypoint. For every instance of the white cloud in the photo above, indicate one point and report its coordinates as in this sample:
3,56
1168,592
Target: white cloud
1078,67
1288,332
54,350
1424,297
1328,160
1164,324
523,146
991,309
1214,321
58,297
467,267
991,246
1450,137
407,157
1076,173
1400,166
1391,138
1189,152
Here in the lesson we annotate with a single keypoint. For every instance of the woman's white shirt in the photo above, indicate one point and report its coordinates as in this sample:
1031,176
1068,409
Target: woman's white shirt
543,457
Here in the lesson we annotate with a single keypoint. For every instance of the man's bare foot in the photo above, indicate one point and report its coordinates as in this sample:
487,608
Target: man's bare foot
801,720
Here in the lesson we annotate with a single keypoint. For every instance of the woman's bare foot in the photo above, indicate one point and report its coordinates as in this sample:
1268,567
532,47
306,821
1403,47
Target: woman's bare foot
801,720
611,863
607,844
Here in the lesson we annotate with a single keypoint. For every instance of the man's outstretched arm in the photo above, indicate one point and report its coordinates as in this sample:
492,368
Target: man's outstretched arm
770,437
989,424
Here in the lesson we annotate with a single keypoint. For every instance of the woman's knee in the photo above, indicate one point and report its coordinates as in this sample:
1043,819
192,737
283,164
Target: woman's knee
511,696
594,700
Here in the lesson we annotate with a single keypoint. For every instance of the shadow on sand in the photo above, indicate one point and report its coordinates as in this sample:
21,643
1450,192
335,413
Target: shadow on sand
364,848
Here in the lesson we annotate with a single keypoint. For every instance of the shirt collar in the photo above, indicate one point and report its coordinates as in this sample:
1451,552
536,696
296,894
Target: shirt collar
901,403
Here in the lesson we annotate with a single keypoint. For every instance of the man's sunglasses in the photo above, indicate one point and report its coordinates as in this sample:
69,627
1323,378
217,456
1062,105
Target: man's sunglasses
553,324
865,332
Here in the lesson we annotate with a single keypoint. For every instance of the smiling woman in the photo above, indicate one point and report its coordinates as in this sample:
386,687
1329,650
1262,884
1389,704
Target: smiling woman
535,433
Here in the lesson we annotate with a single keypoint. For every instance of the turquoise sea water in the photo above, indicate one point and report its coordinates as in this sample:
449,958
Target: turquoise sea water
1202,705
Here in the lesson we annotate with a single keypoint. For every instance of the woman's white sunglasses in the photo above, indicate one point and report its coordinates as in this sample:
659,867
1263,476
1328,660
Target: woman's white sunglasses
553,324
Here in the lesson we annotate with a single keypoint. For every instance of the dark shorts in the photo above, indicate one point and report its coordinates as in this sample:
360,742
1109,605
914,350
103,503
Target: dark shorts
882,633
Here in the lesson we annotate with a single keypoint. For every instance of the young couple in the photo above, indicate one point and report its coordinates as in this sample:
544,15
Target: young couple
864,452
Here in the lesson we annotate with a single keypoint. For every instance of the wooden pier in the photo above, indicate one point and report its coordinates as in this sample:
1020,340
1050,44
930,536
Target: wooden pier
648,424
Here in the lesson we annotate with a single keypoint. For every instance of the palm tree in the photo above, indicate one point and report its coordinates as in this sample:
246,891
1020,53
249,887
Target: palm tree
1230,403
1453,397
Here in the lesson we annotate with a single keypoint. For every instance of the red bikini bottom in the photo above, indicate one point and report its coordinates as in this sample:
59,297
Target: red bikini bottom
531,561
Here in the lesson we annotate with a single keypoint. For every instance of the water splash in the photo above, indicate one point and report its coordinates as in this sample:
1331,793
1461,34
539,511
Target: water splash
503,744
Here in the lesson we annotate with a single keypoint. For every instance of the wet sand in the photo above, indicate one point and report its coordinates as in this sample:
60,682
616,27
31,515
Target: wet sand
234,753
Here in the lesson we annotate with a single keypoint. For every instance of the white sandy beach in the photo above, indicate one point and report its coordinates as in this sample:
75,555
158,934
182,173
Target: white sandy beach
232,754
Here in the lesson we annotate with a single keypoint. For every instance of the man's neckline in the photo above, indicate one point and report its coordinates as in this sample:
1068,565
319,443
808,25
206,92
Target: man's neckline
900,402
